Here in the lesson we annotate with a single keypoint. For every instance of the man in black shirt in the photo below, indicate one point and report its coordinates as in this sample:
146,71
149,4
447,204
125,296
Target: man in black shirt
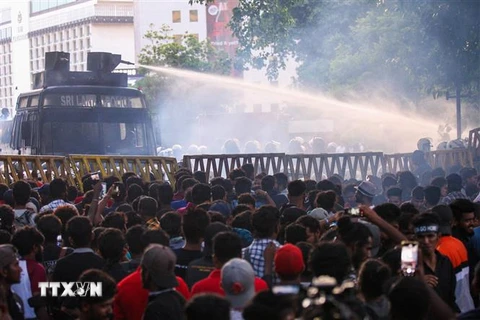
439,272
10,272
69,268
158,276
97,308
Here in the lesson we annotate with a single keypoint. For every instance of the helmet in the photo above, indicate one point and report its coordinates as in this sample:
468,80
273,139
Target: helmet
424,144
317,145
272,147
456,144
231,147
203,149
340,149
193,149
252,147
442,145
332,147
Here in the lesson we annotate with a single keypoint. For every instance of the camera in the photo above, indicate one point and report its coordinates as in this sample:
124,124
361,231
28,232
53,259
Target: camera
357,212
409,258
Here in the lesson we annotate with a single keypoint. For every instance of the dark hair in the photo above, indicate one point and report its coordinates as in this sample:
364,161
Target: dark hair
65,213
236,173
268,183
309,222
394,192
239,209
134,239
117,220
290,215
133,219
281,178
393,259
438,172
326,200
432,195
109,286
418,193
218,192
111,244
226,246
454,182
188,183
163,193
50,226
211,231
155,236
409,299
147,206
388,212
216,216
58,188
406,180
312,184
243,221
330,259
306,249
127,175
243,185
265,221
408,207
461,206
349,188
7,216
134,191
72,193
3,189
325,185
201,193
207,306
247,199
171,223
405,220
249,170
372,277
269,306
295,233
5,237
21,192
353,233
200,176
312,195
425,219
439,182
26,238
296,188
80,230
134,180
194,224
388,182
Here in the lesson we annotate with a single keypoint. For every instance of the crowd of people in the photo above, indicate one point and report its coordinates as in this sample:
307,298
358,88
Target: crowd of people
247,246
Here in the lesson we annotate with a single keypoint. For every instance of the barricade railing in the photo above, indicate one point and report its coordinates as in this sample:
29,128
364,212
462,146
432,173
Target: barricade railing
221,164
474,142
397,162
448,158
348,165
148,168
44,168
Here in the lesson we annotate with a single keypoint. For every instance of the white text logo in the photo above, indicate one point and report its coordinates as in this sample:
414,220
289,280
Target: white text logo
71,289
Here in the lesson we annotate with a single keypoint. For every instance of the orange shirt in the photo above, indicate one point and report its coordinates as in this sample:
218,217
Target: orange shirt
454,249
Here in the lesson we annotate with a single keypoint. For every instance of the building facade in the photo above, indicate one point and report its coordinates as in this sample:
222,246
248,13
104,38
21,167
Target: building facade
28,29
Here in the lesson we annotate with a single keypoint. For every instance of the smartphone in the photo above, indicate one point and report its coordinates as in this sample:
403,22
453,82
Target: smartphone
354,212
409,258
95,176
116,190
104,190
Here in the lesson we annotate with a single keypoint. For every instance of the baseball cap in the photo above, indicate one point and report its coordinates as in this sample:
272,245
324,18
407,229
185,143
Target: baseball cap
238,282
319,213
289,260
8,255
367,189
445,216
160,262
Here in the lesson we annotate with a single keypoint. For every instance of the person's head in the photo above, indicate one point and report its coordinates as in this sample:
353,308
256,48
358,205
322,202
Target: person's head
426,228
158,268
326,200
438,172
281,181
134,180
464,214
236,173
408,207
238,282
312,195
295,233
267,305
418,197
133,192
7,217
445,218
79,231
97,308
289,263
296,190
218,193
207,306
194,224
112,245
50,226
441,183
268,183
226,246
58,189
28,240
163,193
389,212
243,185
247,199
409,299
134,239
405,224
200,176
10,269
394,196
432,195
154,237
243,221
454,182
211,231
21,192
388,182
330,259
265,222
239,209
406,180
5,237
372,277
249,170
171,223
312,228
147,207
418,157
365,193
348,194
358,239
469,176
201,193
117,220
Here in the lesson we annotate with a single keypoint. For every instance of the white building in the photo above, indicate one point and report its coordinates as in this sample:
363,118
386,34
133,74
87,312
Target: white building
28,29
180,16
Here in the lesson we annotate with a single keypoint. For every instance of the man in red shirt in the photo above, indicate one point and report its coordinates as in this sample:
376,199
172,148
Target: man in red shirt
226,246
131,299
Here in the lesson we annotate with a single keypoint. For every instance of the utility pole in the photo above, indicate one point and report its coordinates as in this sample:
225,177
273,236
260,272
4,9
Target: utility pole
458,97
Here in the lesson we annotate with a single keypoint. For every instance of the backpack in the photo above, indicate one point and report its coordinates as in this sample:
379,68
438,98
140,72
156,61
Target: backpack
25,219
